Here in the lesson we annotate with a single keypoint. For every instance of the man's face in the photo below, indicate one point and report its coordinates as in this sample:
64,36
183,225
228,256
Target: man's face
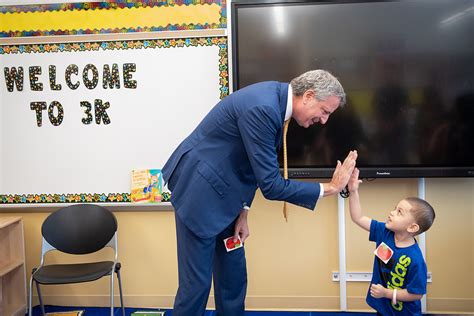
311,110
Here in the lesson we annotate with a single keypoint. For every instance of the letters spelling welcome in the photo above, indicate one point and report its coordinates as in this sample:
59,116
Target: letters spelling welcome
110,79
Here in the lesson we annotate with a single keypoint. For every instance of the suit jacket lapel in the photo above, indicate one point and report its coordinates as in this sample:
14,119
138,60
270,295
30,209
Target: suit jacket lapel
283,102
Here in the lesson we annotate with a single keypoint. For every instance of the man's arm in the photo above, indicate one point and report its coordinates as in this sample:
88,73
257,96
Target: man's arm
354,202
258,128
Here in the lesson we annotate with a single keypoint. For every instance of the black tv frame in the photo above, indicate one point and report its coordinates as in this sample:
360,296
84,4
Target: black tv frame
365,172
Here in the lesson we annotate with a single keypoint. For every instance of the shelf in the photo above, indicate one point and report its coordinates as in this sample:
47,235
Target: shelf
9,267
12,267
16,310
113,206
7,221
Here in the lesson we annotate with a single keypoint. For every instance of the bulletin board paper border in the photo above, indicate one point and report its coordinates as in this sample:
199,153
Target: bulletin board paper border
140,6
71,198
113,4
221,42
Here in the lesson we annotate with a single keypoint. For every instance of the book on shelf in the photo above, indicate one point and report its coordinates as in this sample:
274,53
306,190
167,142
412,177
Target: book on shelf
148,313
146,185
156,183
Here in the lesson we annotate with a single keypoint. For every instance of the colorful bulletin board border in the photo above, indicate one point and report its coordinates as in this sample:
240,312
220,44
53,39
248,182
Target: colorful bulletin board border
116,16
221,42
70,198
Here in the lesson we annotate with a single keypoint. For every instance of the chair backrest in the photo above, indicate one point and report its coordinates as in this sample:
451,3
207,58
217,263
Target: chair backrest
79,229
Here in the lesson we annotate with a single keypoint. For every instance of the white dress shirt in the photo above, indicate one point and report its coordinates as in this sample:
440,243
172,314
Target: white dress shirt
288,113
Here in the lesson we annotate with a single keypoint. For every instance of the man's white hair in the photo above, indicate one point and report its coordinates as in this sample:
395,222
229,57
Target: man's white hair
323,83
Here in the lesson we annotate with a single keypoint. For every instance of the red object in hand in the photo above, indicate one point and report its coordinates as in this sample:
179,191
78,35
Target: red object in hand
231,244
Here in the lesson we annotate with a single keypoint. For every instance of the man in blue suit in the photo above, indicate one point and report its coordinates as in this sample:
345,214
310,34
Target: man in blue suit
215,171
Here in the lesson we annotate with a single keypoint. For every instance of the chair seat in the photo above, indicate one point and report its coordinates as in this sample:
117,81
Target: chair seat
72,273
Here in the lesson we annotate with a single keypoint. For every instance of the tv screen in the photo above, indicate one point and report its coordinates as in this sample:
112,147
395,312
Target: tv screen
407,68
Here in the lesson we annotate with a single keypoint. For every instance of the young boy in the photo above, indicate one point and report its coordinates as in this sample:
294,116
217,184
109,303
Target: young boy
399,274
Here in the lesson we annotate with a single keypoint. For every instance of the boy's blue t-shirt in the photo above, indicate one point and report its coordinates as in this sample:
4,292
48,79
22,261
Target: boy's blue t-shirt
405,270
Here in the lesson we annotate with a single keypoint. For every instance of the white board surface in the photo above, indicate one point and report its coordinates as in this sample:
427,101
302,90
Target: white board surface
175,88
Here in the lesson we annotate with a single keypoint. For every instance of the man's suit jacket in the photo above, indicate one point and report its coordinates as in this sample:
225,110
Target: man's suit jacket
216,170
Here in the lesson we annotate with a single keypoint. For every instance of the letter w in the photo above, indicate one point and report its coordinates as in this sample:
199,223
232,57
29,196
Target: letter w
14,77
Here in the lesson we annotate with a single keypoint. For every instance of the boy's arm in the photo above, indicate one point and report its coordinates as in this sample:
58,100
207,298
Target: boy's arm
378,291
354,202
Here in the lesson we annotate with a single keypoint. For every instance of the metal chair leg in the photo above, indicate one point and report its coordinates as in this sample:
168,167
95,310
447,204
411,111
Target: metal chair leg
120,290
40,298
112,293
30,301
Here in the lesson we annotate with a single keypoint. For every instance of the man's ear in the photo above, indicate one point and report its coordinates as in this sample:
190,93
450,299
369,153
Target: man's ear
308,95
413,228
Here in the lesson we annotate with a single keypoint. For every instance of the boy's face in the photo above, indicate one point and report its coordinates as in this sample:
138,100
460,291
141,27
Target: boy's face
401,218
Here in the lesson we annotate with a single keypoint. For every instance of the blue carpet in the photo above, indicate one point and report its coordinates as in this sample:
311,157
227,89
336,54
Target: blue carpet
104,311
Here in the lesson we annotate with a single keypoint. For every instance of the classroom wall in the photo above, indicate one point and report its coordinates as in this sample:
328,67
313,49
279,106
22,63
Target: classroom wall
289,264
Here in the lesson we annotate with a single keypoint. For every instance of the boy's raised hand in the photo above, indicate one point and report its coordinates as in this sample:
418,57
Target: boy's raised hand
341,175
354,181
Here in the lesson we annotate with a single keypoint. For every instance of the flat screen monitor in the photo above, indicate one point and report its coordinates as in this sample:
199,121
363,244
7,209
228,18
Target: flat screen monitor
407,68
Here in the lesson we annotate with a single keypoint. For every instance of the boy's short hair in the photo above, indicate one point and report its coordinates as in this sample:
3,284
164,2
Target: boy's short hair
423,213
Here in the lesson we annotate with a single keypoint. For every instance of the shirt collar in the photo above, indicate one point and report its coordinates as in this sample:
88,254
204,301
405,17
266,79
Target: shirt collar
289,104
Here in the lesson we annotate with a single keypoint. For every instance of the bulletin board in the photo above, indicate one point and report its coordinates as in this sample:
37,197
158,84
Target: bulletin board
77,118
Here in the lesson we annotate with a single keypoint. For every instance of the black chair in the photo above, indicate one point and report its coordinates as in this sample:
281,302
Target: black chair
78,229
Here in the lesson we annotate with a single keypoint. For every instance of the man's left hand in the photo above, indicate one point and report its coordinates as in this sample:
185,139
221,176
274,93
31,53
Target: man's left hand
241,227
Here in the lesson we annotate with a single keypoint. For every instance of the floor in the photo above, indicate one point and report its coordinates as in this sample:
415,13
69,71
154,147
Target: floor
102,311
